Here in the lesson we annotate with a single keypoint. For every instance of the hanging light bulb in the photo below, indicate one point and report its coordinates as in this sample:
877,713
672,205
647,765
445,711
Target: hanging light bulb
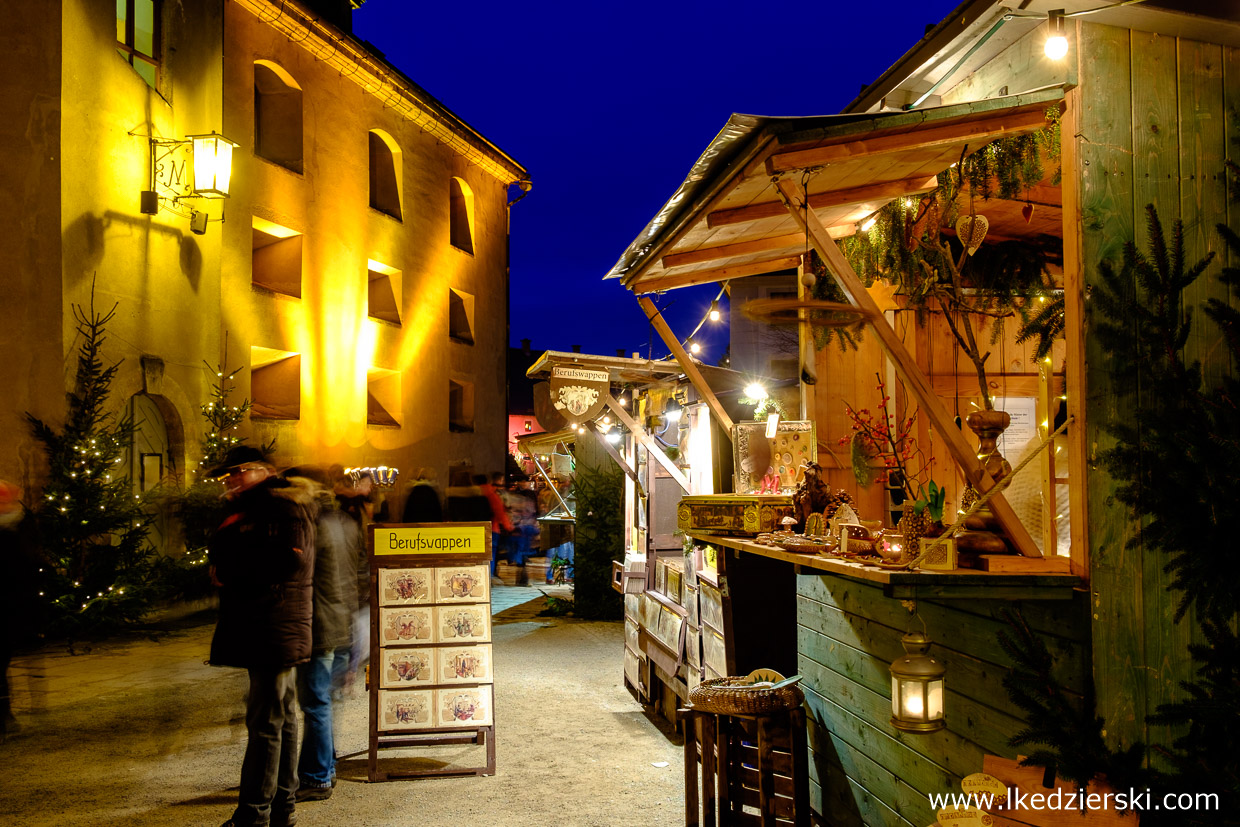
672,411
714,311
694,347
1057,41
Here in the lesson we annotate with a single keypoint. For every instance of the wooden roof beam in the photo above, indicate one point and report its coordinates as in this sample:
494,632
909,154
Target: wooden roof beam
823,200
975,132
639,433
686,364
737,271
906,366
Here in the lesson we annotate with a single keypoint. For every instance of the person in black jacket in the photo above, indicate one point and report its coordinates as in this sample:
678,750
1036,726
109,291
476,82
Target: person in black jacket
262,558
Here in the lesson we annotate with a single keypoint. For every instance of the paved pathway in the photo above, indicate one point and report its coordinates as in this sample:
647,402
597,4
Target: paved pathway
142,732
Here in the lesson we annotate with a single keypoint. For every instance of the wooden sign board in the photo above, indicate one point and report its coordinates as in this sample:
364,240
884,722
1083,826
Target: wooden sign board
431,664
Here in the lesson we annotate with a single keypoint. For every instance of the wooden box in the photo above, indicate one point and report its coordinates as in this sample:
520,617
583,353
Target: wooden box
733,513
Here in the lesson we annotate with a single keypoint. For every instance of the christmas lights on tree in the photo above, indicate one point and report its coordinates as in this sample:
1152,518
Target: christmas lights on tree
98,563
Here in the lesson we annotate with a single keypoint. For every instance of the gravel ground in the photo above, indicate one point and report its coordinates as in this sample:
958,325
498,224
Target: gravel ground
140,732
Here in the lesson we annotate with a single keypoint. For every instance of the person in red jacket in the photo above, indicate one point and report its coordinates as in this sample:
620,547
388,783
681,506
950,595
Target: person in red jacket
501,525
262,559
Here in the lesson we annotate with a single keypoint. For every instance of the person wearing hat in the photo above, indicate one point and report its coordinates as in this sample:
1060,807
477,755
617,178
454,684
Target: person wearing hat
262,559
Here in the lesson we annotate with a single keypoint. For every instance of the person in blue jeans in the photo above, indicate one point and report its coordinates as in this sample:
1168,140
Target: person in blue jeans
338,544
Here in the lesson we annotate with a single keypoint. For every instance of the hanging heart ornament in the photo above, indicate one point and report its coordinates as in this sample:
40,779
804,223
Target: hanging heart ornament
971,230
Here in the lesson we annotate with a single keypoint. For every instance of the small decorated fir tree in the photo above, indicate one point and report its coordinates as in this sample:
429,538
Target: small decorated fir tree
97,561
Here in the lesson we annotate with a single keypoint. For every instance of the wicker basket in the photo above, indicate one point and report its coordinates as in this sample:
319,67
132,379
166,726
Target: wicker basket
732,696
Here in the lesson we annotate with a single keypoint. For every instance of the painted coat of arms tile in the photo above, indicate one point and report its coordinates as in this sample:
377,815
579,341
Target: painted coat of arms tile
406,710
463,706
407,667
463,664
462,584
408,625
463,624
404,587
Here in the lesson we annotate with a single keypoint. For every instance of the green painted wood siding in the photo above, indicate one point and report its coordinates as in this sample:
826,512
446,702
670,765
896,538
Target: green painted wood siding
862,770
1158,115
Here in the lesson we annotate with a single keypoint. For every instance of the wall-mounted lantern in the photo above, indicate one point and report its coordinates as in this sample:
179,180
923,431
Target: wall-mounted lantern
200,166
917,687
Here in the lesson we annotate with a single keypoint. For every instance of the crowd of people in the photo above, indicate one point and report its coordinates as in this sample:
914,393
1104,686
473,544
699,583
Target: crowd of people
512,510
290,562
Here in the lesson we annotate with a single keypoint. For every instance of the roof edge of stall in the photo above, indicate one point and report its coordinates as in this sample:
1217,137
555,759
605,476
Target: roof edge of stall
715,167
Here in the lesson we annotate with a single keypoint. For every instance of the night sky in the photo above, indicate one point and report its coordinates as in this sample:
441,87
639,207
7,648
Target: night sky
608,106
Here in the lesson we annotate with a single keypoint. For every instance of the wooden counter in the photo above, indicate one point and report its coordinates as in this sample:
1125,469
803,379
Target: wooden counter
913,585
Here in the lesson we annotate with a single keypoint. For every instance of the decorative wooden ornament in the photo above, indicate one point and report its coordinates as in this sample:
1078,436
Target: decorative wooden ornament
1027,212
971,230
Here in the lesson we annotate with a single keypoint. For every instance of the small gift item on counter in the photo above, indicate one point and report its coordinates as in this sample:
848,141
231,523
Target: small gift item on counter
890,546
815,524
855,539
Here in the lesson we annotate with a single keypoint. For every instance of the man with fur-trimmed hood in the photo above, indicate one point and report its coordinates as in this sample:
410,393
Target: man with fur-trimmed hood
262,558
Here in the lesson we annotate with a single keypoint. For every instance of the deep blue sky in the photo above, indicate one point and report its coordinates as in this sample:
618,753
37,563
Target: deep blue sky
608,105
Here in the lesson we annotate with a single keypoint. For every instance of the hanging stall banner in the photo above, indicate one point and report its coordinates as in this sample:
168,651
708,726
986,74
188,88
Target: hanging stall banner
579,394
424,539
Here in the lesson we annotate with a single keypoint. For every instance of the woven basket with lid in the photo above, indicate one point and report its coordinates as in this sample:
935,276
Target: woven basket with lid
737,696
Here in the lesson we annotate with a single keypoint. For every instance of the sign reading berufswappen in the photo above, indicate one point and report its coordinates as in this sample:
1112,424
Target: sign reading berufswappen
430,540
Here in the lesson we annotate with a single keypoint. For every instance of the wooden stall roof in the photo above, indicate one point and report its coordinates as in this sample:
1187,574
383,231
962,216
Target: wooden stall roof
545,441
624,370
728,220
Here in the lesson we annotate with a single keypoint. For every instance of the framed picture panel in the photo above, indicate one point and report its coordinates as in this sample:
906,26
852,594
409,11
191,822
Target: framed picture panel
407,668
405,587
463,664
414,624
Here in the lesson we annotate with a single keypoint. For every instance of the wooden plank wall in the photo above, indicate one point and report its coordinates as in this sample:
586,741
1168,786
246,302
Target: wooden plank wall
1154,128
851,377
864,771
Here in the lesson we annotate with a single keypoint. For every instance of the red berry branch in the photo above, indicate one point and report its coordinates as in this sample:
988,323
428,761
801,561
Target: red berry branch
890,441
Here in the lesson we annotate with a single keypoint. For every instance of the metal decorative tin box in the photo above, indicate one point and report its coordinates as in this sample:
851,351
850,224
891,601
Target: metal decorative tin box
733,513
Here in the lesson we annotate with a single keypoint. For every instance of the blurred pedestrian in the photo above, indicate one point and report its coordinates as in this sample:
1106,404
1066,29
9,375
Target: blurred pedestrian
17,590
352,492
262,559
501,525
336,550
423,505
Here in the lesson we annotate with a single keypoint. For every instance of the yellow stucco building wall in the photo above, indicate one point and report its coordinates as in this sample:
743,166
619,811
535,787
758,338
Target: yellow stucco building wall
341,372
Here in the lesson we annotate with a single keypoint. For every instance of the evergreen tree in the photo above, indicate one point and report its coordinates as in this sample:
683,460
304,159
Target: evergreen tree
98,565
222,419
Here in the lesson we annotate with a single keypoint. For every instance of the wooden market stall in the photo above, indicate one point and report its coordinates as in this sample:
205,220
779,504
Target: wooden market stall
1140,104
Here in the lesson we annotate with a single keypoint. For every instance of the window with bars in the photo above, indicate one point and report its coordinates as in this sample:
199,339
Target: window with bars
137,37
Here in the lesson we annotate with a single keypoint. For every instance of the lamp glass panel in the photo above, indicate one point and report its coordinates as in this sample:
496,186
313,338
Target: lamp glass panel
895,696
912,700
934,701
212,164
